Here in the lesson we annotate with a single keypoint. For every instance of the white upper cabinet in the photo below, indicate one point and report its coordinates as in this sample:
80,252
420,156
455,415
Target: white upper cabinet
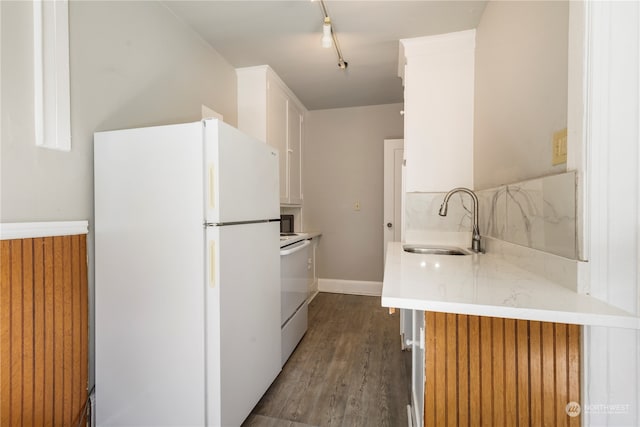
438,76
294,153
269,111
277,132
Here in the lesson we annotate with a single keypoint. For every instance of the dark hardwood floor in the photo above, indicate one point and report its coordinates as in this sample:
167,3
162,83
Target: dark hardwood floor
348,370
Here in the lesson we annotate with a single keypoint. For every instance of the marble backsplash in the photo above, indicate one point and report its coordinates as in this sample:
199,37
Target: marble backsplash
421,212
538,213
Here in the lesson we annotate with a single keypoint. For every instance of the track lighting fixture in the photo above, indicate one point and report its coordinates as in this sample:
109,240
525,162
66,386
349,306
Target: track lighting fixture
326,33
329,36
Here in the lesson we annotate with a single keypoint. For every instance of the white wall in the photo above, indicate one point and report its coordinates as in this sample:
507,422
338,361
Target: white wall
343,162
132,64
520,90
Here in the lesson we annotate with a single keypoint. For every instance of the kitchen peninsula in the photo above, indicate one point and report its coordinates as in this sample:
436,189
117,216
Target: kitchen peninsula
487,285
492,343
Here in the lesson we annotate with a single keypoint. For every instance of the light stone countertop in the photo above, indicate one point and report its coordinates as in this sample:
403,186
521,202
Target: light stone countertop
487,285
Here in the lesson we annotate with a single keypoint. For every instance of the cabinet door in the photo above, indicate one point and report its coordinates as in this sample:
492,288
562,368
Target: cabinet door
294,154
277,130
438,120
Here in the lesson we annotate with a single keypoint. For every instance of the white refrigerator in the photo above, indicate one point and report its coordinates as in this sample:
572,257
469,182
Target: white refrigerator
187,275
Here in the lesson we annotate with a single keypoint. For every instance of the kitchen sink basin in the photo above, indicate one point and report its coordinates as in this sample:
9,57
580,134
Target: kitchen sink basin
435,250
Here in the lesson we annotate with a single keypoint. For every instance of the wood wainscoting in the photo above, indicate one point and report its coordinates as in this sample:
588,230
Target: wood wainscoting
500,372
43,330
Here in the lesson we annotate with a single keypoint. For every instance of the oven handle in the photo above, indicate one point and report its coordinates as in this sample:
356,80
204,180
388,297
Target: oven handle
294,248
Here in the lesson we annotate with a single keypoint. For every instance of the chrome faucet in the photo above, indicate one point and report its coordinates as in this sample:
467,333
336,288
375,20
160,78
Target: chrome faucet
475,238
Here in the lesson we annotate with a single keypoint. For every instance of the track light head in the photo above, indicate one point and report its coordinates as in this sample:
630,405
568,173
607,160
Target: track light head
327,41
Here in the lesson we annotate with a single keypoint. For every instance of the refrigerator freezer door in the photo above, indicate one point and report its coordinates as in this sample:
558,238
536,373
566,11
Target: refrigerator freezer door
243,337
241,176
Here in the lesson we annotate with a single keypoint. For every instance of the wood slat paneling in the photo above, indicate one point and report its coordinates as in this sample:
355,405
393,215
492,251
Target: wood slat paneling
49,280
561,388
474,371
39,330
43,330
535,374
452,369
522,384
28,355
486,374
430,371
573,368
510,373
498,371
5,333
441,370
16,343
463,370
548,377
493,371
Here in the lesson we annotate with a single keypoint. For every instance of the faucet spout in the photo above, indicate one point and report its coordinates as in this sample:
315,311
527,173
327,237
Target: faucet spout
475,237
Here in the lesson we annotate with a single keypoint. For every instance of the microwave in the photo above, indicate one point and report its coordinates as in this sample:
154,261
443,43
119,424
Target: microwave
286,223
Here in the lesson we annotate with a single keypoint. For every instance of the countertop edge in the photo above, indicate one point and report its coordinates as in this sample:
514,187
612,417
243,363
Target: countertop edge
625,322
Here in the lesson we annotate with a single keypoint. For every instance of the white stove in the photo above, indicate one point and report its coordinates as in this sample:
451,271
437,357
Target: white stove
294,279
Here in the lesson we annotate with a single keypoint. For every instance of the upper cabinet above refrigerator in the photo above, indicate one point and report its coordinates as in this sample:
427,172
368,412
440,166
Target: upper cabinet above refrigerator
269,111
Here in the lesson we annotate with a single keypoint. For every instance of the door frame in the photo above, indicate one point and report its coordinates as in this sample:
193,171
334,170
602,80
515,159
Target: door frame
390,146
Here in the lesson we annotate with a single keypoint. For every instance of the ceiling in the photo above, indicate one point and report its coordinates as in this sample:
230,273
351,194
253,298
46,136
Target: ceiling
286,36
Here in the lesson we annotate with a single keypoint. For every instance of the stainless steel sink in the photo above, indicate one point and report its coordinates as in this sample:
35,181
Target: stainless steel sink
435,250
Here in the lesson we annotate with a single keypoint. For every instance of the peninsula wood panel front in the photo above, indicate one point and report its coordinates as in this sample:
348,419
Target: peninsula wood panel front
43,331
486,371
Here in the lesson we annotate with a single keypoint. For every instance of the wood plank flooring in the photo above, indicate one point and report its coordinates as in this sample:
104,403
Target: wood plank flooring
348,370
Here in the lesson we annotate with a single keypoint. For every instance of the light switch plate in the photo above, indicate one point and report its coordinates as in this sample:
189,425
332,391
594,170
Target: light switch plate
559,147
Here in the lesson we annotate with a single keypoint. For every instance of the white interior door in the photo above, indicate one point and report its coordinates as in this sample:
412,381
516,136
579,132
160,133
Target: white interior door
393,189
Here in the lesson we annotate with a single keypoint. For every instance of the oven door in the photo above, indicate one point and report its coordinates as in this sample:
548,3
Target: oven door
294,285
293,281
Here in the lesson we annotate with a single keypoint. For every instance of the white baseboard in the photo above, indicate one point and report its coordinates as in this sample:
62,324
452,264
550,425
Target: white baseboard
352,287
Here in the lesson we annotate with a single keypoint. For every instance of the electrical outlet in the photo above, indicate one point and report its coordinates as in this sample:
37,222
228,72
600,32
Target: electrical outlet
356,205
559,147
